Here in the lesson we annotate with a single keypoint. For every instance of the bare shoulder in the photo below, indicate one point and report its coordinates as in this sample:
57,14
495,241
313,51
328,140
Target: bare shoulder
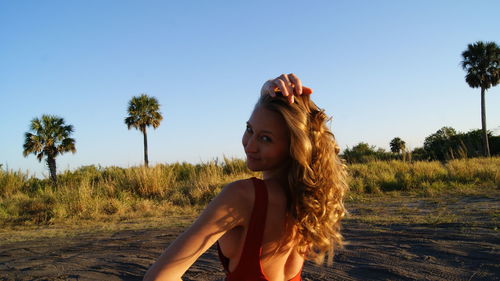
242,187
238,193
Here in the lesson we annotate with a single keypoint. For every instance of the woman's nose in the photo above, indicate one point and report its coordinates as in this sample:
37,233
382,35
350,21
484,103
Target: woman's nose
251,145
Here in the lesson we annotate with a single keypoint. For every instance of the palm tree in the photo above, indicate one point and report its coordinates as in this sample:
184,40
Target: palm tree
482,63
397,145
49,137
143,112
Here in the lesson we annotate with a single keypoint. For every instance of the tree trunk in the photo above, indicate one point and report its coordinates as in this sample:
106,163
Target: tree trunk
146,162
486,145
51,163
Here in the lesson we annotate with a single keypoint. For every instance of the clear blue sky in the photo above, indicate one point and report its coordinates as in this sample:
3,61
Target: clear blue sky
381,68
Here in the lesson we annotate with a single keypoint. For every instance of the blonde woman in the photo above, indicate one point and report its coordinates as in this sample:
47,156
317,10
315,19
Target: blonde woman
265,229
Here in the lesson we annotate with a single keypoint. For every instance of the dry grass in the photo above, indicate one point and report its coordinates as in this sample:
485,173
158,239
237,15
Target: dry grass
96,195
424,177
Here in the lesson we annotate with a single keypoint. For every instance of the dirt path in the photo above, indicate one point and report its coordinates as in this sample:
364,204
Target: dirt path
467,249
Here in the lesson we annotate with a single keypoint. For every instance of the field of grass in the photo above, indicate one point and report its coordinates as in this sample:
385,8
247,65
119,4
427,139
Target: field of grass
98,195
425,178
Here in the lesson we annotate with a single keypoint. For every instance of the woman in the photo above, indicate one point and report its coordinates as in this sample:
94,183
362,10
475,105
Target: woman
265,229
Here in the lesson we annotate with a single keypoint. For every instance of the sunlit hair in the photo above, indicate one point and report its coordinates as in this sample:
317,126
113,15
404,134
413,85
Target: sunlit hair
316,177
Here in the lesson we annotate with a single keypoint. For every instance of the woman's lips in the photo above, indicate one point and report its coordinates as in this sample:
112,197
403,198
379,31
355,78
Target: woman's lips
249,157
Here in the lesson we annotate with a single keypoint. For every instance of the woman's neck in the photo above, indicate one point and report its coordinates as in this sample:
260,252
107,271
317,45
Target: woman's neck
280,175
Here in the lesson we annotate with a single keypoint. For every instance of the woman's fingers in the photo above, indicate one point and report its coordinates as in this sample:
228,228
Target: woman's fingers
282,87
296,82
287,85
306,90
268,88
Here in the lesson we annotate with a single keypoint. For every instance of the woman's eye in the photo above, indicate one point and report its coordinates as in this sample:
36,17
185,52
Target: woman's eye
248,130
265,139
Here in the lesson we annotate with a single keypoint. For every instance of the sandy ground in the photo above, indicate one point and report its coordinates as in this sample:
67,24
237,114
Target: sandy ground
407,249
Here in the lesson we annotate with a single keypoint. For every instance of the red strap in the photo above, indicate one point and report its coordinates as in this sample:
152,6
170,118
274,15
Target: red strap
255,234
248,267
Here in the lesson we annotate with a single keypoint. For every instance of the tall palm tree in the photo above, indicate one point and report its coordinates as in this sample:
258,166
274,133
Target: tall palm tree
49,137
143,112
482,63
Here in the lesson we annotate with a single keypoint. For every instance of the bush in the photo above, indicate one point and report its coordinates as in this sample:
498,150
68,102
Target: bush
11,182
38,209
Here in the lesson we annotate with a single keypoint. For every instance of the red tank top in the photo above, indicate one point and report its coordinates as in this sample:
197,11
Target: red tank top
249,267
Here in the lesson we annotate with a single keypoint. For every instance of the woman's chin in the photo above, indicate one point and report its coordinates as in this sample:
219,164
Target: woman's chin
252,167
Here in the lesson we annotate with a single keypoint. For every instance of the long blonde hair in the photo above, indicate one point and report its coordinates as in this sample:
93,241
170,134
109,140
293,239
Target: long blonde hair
316,178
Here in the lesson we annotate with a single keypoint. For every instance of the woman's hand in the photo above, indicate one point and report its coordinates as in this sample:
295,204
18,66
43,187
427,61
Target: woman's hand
288,85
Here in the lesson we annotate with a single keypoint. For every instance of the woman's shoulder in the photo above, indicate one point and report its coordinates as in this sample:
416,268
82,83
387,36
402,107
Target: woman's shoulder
243,192
241,188
237,197
238,192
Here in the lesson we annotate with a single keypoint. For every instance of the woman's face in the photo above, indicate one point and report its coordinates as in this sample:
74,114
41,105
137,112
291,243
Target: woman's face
266,141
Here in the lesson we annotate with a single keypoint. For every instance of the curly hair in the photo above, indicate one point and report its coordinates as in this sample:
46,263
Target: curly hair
316,177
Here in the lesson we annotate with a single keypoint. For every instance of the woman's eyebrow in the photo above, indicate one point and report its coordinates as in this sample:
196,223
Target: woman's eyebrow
262,131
